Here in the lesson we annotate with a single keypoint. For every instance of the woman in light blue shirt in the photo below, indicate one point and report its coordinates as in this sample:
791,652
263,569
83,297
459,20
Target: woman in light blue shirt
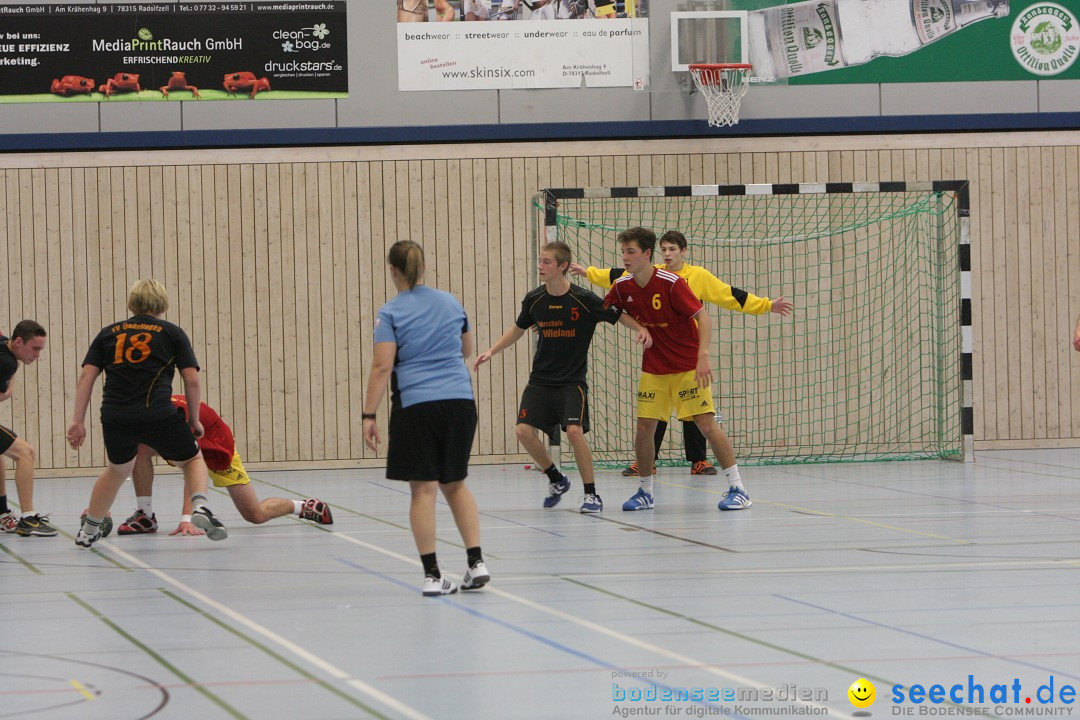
422,338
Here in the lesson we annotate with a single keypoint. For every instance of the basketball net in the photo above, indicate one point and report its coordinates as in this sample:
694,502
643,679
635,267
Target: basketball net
723,87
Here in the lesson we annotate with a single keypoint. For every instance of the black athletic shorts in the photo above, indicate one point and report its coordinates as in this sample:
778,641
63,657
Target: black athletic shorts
7,439
544,406
431,441
170,437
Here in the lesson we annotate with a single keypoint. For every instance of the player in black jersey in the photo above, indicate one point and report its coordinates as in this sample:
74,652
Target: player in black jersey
139,356
566,316
25,346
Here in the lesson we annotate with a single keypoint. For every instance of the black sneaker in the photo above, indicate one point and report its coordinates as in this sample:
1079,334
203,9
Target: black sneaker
203,519
36,524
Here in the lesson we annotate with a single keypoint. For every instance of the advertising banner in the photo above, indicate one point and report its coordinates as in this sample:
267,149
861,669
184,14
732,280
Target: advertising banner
490,45
173,51
898,41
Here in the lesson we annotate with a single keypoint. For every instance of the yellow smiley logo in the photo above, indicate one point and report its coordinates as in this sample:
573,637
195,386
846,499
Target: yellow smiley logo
862,693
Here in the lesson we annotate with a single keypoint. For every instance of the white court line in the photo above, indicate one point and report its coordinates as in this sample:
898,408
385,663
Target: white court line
615,634
329,669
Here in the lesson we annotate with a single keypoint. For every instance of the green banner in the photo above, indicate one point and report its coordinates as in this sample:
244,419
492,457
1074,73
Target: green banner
892,41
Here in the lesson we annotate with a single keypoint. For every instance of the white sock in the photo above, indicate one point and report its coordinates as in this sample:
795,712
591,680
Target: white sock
297,506
197,500
146,504
732,475
646,484
31,513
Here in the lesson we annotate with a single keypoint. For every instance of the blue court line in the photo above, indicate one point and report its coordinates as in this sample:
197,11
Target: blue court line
533,636
931,638
441,501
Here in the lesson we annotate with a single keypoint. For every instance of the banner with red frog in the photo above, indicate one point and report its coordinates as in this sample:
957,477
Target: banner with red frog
165,52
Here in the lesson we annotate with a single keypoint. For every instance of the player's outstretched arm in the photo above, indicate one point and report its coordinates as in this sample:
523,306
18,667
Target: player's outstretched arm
782,307
511,336
643,337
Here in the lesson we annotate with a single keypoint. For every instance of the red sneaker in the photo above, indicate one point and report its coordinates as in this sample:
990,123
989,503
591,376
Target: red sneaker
317,511
138,524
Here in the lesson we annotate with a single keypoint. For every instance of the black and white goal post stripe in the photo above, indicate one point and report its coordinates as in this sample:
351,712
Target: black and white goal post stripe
551,197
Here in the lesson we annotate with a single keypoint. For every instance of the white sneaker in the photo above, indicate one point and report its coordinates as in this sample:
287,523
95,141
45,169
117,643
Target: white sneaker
476,577
438,586
82,539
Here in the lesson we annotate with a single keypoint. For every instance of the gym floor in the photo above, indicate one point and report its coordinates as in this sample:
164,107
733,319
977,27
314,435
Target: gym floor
900,574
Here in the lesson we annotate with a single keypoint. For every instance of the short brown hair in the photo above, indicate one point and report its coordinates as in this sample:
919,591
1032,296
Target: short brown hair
148,297
26,330
560,250
643,237
674,236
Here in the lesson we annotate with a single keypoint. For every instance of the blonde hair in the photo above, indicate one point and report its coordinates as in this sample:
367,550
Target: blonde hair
408,258
148,297
560,251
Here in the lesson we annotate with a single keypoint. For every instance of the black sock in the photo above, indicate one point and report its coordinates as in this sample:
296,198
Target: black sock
431,567
474,555
590,488
553,474
3,504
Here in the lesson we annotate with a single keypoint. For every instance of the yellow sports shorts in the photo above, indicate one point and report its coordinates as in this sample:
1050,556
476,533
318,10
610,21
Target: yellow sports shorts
235,474
658,395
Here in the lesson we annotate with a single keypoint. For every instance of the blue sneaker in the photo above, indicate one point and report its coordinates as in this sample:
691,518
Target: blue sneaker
640,500
556,491
735,499
591,504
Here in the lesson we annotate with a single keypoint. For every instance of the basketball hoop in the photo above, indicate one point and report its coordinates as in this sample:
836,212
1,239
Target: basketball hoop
723,86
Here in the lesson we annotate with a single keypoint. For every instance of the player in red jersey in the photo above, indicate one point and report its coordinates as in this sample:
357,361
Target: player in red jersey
226,470
676,371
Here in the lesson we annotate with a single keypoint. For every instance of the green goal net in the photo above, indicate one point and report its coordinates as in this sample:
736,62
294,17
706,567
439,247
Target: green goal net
868,366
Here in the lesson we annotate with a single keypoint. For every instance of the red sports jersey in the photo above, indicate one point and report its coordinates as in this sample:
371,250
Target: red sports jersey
217,443
666,306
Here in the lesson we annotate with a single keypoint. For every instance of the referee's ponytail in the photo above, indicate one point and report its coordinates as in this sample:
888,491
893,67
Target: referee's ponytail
408,258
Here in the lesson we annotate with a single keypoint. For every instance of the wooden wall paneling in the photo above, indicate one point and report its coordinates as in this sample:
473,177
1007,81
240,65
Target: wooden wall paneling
76,327
31,210
1071,370
607,175
259,366
1001,299
1014,309
247,354
296,311
275,307
1032,210
337,313
1026,312
462,232
1065,244
313,290
52,300
473,230
356,222
1053,197
324,444
500,310
376,274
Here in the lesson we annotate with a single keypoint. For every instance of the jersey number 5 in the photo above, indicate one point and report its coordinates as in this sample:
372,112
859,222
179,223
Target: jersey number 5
136,352
574,314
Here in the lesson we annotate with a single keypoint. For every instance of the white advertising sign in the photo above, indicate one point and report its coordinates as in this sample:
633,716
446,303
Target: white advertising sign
527,54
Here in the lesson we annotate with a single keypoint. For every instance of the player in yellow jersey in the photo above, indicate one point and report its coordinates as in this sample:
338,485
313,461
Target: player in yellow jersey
708,288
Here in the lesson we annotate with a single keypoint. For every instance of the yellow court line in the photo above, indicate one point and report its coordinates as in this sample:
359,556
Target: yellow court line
82,689
830,515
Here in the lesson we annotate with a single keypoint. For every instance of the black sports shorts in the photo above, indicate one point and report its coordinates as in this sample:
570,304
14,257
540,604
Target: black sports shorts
170,437
544,406
431,441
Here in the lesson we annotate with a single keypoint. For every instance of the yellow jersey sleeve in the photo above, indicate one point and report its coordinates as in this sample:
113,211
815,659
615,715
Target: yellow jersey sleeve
604,277
712,289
